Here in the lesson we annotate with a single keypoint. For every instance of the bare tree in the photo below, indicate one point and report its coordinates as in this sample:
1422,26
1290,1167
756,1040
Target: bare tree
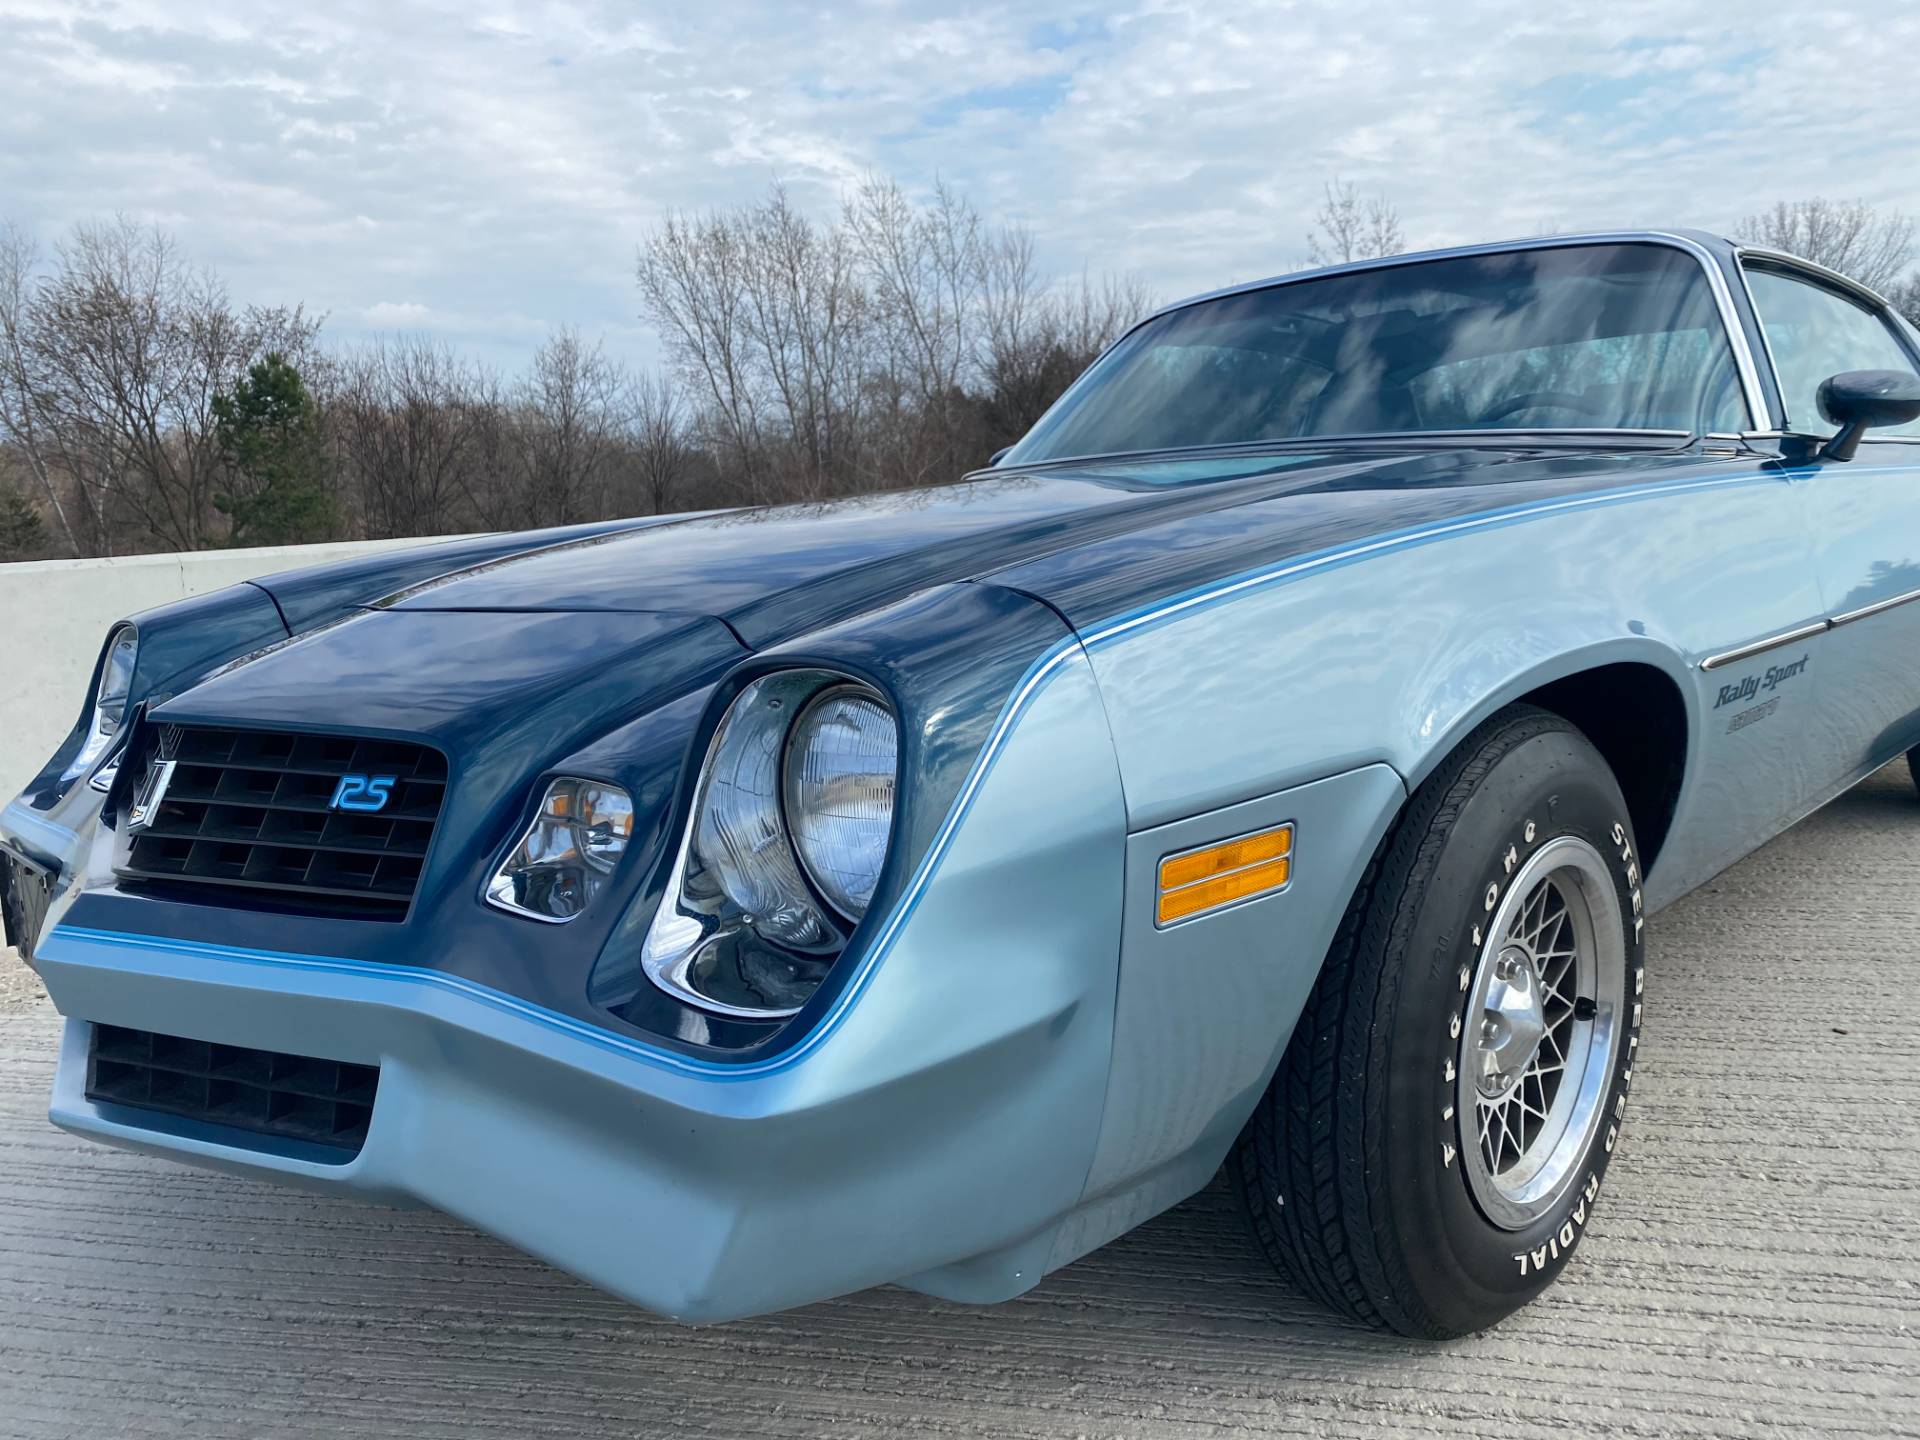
900,346
1350,226
691,274
21,423
1065,331
570,411
808,319
1849,236
896,341
410,423
766,318
661,456
127,347
1906,298
927,269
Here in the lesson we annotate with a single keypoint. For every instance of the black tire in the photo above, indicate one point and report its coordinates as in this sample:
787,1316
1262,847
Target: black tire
1913,766
1349,1168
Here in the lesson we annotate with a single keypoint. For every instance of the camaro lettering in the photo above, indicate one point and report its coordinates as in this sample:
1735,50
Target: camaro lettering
363,792
1752,685
1753,715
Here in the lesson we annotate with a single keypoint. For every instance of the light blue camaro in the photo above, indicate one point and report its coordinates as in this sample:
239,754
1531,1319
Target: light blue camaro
1270,762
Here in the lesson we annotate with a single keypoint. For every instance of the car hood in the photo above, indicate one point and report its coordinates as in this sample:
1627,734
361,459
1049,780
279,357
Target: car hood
782,571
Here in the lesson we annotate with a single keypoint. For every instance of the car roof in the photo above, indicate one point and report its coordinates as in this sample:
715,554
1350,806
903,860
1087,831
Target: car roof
1708,247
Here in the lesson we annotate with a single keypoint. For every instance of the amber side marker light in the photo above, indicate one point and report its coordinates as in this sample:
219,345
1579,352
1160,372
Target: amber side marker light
1196,881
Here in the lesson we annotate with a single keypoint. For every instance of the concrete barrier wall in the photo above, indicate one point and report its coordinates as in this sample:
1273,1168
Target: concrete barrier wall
55,613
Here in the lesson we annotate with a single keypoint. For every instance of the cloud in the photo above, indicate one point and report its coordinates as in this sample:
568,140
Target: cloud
399,315
486,170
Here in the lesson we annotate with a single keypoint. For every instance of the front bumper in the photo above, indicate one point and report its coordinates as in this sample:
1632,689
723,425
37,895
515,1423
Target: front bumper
941,1135
698,1197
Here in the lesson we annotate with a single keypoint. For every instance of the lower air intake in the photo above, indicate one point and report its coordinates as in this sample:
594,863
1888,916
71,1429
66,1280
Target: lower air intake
294,1097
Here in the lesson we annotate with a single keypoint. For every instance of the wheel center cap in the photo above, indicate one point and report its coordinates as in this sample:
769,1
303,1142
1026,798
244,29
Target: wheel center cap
1512,1022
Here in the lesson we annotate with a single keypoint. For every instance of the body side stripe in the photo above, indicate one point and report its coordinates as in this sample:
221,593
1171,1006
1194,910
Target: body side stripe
1202,597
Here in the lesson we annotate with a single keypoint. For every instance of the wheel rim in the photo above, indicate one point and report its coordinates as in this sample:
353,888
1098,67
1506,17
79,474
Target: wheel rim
1538,1041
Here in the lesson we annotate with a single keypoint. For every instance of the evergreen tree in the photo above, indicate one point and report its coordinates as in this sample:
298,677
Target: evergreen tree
268,430
22,533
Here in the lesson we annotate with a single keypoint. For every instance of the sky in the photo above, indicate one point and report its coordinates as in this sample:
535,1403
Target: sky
485,171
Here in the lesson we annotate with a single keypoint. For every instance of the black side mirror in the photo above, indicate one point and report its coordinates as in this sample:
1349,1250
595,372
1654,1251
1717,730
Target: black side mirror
1862,400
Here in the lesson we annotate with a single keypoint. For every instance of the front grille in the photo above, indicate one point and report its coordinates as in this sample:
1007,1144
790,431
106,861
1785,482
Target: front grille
296,1097
251,817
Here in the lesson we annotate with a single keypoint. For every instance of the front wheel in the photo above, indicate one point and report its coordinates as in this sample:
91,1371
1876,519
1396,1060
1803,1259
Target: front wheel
1428,1154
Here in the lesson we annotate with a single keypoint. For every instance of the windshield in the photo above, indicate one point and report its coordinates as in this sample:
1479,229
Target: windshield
1576,337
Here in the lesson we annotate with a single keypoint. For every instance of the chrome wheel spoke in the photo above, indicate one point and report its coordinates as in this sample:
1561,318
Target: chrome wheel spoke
1552,943
1535,1056
1550,1039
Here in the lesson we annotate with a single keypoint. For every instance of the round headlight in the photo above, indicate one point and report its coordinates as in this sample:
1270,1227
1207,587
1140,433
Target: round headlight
116,681
839,783
110,697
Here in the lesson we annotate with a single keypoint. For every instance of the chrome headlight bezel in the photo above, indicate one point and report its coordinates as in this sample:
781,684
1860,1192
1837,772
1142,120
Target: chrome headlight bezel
561,862
109,701
740,912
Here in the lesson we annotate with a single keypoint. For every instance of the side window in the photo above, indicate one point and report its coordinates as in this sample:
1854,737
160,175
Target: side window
1814,333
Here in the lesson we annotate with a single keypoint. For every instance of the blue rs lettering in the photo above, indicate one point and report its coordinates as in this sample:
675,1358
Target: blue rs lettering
362,792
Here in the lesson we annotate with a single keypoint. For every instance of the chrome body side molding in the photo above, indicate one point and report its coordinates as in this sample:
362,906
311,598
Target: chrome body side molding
1772,642
1877,608
1808,631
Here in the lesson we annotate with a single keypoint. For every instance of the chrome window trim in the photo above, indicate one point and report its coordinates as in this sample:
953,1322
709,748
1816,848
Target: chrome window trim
1757,412
1382,439
1871,297
1776,426
1817,274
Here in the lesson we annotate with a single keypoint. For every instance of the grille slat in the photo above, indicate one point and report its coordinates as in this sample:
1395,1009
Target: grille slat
176,831
417,811
247,818
268,1092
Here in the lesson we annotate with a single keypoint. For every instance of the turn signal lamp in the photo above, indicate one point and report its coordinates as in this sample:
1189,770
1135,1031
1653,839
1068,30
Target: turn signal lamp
1196,882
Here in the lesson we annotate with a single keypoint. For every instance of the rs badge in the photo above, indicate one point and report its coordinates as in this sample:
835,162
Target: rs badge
362,792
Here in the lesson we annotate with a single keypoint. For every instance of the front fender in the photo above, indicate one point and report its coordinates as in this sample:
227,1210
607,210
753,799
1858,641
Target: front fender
53,818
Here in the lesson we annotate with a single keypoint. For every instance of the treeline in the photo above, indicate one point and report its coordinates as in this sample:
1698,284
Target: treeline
899,344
